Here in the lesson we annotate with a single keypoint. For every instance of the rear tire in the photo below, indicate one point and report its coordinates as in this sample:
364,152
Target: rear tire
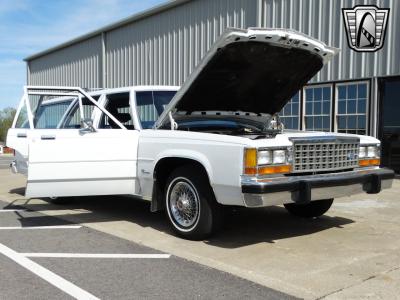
190,203
310,210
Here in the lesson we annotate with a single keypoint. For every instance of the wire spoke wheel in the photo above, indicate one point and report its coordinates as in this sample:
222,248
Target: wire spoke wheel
184,203
190,204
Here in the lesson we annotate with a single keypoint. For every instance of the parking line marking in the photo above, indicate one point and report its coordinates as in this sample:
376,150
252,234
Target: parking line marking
94,255
11,210
40,227
52,278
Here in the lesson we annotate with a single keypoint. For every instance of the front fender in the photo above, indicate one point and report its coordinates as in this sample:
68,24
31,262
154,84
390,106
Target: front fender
187,154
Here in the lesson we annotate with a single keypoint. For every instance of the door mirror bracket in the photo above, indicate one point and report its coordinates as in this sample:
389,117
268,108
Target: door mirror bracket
87,126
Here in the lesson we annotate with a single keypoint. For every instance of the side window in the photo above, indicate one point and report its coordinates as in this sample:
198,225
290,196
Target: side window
48,116
118,106
145,108
150,105
73,119
22,118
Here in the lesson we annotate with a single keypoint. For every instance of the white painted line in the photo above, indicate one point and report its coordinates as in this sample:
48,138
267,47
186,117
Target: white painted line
40,227
95,255
52,278
11,210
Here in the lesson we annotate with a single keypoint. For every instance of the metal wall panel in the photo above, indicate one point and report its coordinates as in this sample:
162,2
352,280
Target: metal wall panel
75,65
322,19
163,49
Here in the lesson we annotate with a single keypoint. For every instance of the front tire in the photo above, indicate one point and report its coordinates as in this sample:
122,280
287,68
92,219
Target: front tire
310,210
190,203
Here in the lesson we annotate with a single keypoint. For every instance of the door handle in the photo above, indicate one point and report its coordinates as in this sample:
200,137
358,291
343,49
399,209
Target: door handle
21,135
48,137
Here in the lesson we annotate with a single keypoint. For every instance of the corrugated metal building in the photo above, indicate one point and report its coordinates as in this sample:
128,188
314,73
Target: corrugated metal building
356,92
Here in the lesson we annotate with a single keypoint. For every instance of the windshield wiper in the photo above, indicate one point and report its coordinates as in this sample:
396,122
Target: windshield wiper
249,131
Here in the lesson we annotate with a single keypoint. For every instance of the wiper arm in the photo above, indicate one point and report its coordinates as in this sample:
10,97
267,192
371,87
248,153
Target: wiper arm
251,131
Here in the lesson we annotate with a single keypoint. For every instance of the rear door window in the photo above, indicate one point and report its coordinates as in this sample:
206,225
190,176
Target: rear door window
73,118
118,106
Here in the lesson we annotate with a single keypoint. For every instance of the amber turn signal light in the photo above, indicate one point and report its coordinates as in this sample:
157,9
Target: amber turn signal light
250,161
369,162
274,170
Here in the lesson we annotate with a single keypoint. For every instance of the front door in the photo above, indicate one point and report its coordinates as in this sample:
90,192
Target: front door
33,115
389,124
17,138
81,161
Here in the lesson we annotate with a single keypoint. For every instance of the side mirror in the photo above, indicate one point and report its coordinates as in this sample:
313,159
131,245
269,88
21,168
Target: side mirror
87,126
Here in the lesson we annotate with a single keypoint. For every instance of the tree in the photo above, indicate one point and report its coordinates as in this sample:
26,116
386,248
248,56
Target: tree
6,119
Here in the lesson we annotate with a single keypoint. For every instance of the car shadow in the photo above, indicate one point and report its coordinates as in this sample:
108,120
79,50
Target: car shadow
19,191
241,226
245,226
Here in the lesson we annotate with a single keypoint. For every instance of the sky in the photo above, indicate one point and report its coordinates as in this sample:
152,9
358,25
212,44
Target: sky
30,26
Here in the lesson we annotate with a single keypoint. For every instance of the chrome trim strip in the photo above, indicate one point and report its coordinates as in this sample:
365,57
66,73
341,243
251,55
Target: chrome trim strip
80,179
82,161
325,139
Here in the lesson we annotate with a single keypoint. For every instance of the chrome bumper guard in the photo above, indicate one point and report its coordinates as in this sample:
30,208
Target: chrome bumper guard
303,189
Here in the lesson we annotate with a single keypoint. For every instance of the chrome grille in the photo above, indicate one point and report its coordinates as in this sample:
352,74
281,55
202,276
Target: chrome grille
325,156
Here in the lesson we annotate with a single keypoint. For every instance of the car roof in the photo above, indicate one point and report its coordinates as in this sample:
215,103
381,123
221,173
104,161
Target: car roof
116,90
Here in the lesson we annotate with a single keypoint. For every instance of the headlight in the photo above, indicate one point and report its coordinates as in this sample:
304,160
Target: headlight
266,161
362,152
264,157
279,157
372,151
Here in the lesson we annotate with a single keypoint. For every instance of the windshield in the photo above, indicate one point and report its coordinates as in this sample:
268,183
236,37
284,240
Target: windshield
217,125
151,104
230,125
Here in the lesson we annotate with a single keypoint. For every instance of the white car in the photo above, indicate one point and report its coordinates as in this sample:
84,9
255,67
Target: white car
218,142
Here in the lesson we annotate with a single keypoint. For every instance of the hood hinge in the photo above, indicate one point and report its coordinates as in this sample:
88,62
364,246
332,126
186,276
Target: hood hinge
174,125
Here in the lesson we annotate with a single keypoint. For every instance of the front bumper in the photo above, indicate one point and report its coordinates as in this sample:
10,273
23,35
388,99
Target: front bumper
303,189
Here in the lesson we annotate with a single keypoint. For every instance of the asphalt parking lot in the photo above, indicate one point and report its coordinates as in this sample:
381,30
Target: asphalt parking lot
95,265
44,257
353,252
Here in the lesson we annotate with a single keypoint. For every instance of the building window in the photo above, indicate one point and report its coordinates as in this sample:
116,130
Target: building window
317,112
290,114
352,108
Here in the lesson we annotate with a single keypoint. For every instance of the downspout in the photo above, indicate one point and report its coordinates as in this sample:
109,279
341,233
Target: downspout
259,12
374,106
103,77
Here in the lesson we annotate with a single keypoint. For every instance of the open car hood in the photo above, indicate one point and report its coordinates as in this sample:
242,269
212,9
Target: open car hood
253,70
